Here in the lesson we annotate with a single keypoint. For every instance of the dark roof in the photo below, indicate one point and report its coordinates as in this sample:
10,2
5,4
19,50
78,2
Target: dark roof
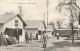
33,23
6,18
67,29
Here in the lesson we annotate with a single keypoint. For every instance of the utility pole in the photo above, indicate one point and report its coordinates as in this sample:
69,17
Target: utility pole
47,10
44,30
44,17
44,45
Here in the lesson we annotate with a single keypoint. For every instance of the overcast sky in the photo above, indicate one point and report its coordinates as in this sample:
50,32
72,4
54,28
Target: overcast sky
33,11
30,11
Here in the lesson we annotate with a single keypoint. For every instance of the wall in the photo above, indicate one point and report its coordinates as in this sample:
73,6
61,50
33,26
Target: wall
33,31
22,37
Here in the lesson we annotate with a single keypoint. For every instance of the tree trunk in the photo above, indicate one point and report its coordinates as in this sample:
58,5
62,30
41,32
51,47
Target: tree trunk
72,33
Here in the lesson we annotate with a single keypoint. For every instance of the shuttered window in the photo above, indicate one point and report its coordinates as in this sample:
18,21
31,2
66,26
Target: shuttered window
16,23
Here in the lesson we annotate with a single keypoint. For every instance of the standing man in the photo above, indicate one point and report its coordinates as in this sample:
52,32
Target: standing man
57,35
37,36
58,38
44,41
26,37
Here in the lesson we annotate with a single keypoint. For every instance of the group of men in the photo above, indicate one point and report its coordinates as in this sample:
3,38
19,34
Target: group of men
28,38
31,39
7,40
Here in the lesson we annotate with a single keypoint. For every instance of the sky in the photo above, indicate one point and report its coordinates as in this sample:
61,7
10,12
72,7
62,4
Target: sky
33,9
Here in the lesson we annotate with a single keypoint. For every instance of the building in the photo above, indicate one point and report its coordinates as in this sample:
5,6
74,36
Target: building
68,32
49,30
13,25
35,27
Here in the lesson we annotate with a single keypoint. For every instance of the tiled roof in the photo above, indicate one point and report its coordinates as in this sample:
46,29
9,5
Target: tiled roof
5,18
33,23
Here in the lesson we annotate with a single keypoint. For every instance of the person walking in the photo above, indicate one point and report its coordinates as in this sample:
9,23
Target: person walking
26,37
31,37
58,36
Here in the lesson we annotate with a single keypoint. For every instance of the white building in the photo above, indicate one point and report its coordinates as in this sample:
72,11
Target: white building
9,24
34,27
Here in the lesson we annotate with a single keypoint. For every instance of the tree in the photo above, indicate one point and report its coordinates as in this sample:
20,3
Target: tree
60,22
73,9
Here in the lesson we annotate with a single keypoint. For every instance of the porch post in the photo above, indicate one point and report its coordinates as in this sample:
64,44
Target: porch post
18,36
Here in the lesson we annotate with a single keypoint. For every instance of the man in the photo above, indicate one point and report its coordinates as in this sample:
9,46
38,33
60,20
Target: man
26,37
44,40
1,39
57,35
5,39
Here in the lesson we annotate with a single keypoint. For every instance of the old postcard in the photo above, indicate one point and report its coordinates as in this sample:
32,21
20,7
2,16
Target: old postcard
39,25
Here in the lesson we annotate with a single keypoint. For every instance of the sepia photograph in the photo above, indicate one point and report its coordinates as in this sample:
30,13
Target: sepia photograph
39,25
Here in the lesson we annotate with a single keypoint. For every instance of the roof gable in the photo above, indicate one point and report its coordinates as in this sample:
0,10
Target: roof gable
5,18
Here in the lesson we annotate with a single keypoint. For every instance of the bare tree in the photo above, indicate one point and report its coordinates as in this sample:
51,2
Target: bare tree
60,22
73,8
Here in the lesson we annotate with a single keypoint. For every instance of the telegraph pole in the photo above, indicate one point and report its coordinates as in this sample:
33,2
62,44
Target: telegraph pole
47,10
44,31
44,17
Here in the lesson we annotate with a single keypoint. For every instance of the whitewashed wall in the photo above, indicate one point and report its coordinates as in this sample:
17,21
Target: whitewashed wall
33,31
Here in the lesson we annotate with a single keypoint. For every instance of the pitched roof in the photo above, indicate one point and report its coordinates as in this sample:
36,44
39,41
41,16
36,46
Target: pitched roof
33,23
6,18
49,28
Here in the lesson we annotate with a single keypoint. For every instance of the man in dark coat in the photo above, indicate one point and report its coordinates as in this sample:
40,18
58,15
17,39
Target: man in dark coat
26,37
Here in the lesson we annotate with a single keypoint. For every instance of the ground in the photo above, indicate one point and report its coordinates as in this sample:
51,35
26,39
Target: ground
52,45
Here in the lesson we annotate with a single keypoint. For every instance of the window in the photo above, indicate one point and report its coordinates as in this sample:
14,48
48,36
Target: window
16,23
20,31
